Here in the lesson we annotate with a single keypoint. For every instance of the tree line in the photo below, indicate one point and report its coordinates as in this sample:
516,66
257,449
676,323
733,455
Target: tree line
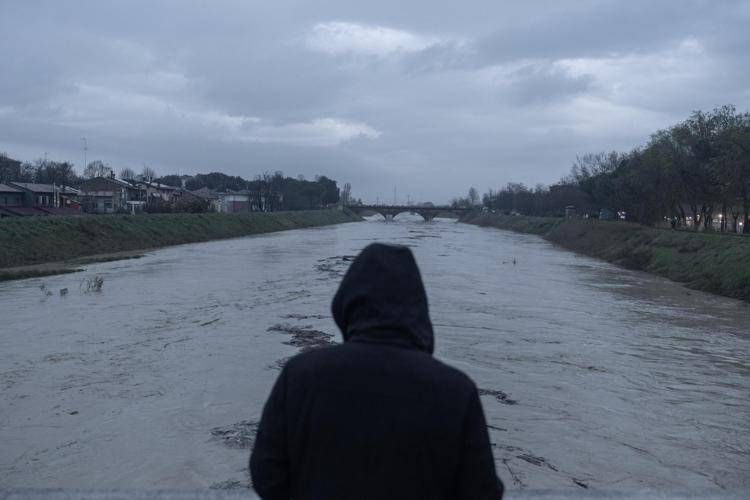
280,192
694,174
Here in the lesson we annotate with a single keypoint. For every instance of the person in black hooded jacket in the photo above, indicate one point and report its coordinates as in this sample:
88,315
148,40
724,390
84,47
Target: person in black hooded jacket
376,417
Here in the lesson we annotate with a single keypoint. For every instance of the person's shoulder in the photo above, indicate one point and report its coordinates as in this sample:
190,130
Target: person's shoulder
335,356
313,357
454,374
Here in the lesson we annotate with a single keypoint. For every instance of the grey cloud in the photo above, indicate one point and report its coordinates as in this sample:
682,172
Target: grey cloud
543,83
488,92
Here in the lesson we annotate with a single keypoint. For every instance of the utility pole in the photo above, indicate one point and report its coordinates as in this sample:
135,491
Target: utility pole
394,195
85,149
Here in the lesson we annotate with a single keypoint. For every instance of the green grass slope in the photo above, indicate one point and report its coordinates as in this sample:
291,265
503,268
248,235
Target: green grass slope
37,240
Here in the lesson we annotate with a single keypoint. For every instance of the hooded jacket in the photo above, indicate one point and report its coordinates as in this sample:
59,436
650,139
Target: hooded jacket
376,417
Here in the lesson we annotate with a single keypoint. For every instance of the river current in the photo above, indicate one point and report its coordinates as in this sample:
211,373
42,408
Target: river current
591,376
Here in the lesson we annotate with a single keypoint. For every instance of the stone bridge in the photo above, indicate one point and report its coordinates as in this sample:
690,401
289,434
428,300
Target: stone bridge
427,212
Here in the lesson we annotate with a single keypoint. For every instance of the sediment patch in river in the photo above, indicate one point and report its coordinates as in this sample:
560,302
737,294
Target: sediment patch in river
305,338
240,435
500,396
334,267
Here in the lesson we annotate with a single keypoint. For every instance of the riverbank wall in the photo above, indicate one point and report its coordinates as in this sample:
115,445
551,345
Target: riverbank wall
711,262
37,246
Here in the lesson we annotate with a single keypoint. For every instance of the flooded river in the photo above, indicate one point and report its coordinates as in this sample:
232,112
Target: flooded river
591,376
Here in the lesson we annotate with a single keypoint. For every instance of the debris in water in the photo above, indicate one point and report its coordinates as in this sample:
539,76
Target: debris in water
500,396
63,291
335,266
183,339
494,427
304,338
517,481
538,461
580,483
229,484
304,316
239,436
92,284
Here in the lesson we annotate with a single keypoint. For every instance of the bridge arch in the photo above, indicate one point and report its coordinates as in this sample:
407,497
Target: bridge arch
428,213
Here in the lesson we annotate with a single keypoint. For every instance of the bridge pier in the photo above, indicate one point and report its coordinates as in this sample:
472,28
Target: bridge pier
427,216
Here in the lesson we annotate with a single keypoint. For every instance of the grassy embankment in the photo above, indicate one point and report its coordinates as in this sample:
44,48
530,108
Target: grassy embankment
38,246
716,263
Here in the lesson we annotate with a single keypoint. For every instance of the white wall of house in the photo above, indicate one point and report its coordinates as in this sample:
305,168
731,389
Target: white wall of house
228,201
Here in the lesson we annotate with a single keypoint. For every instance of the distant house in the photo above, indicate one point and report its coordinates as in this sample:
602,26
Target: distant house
154,190
70,197
226,202
210,196
37,195
27,198
10,198
234,202
187,201
107,195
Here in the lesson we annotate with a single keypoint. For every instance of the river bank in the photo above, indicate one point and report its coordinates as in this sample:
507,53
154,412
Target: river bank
715,263
42,246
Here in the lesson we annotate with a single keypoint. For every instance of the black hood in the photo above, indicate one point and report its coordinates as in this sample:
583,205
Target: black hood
382,298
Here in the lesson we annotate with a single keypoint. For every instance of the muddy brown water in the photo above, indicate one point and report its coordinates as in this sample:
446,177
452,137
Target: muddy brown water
591,376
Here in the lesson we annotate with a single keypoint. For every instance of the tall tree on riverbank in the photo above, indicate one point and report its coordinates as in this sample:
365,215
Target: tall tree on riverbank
694,172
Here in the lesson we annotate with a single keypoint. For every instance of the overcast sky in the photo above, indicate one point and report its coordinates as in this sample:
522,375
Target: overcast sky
432,97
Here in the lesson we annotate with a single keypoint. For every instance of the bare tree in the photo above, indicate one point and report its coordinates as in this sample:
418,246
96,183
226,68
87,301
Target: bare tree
97,168
473,196
127,174
346,194
148,174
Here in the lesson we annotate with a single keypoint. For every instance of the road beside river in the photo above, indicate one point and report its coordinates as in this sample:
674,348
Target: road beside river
592,376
